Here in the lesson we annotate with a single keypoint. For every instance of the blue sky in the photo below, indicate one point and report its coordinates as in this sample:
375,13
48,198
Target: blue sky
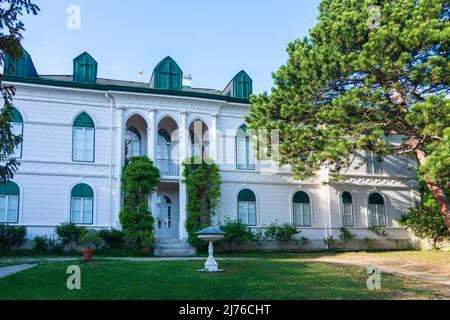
212,40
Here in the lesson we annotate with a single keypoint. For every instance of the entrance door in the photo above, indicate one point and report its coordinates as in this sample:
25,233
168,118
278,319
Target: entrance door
166,218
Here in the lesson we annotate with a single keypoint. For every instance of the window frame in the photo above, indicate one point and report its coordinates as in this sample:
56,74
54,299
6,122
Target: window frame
83,199
343,210
247,202
5,213
371,158
377,205
249,155
138,135
302,204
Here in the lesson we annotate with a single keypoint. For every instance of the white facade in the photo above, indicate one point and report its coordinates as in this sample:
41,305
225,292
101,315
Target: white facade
48,173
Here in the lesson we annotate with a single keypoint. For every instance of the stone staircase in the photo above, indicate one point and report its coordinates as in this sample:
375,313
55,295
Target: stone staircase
173,248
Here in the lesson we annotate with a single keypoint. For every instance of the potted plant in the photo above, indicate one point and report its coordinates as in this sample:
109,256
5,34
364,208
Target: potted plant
90,240
147,240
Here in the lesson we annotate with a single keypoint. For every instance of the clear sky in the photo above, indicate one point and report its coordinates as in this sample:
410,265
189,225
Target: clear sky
210,39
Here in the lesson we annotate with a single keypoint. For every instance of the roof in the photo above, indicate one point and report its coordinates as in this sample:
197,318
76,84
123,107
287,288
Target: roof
104,84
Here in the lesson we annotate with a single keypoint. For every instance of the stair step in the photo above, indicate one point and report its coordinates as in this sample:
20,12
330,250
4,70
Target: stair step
173,248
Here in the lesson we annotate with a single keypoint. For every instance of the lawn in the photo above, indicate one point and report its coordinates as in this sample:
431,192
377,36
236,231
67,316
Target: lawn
268,278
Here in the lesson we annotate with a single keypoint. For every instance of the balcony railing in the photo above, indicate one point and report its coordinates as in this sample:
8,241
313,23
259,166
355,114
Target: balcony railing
168,167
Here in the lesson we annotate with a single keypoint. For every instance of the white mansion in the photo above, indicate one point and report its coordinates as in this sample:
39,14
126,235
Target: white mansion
79,129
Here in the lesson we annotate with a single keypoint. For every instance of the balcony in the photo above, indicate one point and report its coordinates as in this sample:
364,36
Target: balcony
168,167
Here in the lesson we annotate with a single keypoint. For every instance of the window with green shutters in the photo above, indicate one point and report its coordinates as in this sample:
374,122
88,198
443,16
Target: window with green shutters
242,85
17,130
247,207
82,204
377,210
244,152
347,209
302,209
83,146
167,75
9,203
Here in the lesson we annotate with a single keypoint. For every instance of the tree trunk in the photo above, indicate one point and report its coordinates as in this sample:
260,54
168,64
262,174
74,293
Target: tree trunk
436,190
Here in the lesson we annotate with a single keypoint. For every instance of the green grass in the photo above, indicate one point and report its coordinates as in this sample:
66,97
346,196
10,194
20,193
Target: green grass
246,279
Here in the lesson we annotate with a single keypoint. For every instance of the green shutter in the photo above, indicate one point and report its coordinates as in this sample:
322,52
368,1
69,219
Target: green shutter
168,75
84,121
301,197
16,116
242,85
85,69
82,190
346,198
247,195
376,198
9,189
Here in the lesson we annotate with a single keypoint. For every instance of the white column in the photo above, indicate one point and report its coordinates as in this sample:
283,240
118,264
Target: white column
151,153
151,137
119,162
213,137
183,195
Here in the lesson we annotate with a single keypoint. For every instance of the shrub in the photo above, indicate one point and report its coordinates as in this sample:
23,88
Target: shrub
69,233
40,244
379,232
140,179
11,236
330,242
236,233
113,239
284,232
91,239
346,235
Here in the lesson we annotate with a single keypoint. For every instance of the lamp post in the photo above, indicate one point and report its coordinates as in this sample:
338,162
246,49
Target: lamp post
211,234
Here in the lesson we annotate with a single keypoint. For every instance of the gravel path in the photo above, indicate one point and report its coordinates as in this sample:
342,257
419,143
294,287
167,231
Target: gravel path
7,271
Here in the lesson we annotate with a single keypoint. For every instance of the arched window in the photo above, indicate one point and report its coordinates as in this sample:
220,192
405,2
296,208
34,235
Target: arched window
247,207
164,145
347,209
85,69
244,152
17,130
167,75
377,212
81,204
133,143
83,138
9,203
302,209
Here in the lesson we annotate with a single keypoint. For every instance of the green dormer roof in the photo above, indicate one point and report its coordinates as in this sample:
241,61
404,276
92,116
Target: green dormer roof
22,67
85,69
167,75
240,87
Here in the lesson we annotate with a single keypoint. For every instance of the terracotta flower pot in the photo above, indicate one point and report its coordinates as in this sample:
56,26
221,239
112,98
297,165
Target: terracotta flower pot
147,250
87,254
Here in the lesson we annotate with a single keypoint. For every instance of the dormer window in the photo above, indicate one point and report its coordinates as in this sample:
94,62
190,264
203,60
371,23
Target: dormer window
167,75
240,87
22,67
85,69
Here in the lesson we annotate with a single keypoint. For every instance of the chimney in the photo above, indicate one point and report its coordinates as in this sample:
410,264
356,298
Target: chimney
187,80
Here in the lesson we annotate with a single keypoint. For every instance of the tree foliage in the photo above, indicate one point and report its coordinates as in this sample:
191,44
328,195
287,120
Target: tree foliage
11,29
140,179
203,183
346,87
425,219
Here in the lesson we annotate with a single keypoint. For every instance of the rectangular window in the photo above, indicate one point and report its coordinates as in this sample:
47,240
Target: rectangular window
373,163
17,130
247,212
377,215
244,154
9,209
302,214
83,144
347,215
82,209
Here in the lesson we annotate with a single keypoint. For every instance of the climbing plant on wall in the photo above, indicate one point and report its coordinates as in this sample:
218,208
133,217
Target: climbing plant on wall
140,179
203,182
